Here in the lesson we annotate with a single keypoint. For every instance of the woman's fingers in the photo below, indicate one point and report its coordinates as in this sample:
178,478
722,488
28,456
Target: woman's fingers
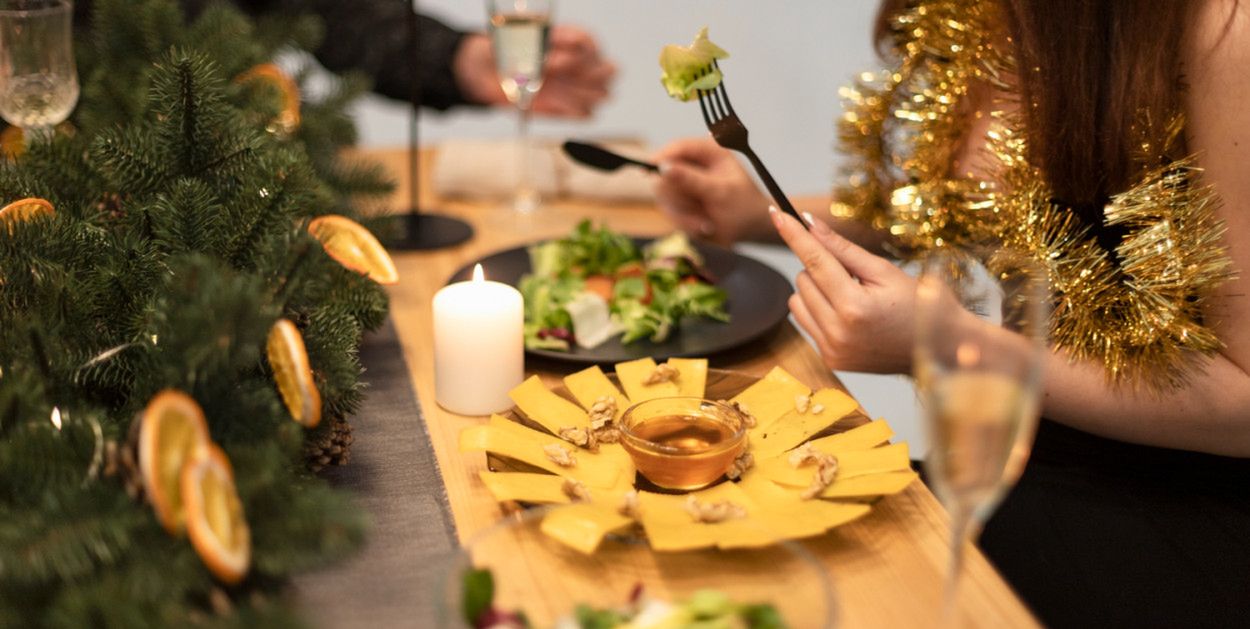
818,306
805,320
868,267
830,276
701,151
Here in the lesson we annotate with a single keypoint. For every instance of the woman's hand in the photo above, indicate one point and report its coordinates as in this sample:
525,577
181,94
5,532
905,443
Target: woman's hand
858,307
707,193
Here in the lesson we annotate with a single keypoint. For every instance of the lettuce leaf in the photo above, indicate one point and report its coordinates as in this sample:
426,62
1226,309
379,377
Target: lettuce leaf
681,64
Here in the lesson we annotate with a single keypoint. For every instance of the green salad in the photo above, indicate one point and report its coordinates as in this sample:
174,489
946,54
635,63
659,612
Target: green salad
705,609
595,284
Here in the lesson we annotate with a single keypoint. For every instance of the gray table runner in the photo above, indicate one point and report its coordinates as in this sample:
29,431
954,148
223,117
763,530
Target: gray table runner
394,475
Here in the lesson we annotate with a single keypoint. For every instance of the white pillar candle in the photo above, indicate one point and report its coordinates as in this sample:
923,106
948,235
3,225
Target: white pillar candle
479,345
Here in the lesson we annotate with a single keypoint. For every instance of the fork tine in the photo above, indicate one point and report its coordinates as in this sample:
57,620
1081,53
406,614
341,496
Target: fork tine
709,113
722,92
707,118
718,108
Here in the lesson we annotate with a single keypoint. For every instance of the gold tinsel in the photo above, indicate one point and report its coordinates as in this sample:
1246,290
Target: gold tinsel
1140,318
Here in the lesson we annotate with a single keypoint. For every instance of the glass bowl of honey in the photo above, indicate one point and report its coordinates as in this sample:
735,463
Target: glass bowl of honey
682,443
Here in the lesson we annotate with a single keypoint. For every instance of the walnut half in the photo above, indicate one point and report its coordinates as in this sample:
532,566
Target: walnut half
663,373
712,512
741,464
559,455
575,490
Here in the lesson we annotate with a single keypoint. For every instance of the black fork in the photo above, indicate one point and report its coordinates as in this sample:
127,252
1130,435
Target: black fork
728,131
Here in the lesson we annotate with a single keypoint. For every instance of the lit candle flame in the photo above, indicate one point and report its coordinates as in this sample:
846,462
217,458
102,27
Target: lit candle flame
478,276
56,417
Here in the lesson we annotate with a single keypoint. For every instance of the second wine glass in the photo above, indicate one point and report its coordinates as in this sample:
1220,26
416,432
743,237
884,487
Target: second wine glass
979,356
519,35
38,79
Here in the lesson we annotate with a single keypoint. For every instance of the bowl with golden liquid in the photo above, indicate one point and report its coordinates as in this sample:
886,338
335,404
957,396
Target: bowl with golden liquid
682,443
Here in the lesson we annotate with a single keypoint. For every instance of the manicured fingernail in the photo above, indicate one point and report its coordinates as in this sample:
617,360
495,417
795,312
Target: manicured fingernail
775,214
664,167
818,226
807,216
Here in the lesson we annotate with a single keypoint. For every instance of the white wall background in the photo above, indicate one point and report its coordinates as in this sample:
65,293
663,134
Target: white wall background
787,61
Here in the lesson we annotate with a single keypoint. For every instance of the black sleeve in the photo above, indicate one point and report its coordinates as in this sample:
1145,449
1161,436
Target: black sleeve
371,36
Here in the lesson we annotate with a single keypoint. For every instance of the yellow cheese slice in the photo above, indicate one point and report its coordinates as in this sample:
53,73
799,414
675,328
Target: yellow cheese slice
582,525
669,527
590,384
872,434
794,428
632,375
525,487
891,458
772,396
619,457
612,454
692,378
525,445
541,405
792,517
869,486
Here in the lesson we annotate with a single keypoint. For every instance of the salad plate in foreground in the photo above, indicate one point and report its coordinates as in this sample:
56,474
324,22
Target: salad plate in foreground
664,297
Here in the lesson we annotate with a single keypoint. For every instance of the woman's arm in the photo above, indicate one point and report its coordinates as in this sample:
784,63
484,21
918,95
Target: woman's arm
1212,413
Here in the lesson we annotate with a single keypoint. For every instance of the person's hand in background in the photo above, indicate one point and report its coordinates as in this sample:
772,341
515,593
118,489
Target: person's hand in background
705,190
576,76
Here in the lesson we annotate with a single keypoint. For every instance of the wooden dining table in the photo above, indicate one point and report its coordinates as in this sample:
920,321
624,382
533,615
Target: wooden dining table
888,568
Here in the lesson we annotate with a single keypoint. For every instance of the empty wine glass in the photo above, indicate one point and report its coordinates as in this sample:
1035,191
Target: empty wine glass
38,79
979,353
519,34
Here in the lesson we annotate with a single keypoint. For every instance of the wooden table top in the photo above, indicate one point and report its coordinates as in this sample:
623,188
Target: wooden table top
888,568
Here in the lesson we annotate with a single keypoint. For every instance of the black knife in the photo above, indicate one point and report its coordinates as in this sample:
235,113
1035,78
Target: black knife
600,158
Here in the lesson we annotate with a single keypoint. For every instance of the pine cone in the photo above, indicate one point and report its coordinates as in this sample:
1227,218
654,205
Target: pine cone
329,445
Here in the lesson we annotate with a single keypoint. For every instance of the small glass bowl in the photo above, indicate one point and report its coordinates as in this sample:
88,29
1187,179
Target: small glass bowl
682,443
540,576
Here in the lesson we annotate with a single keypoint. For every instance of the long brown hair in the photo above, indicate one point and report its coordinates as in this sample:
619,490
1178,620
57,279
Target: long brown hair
1101,76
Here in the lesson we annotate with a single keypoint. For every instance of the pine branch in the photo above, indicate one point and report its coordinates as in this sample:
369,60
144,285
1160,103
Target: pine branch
179,239
75,534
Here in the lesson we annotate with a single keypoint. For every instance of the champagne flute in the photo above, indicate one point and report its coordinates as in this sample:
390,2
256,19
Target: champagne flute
38,79
519,35
979,354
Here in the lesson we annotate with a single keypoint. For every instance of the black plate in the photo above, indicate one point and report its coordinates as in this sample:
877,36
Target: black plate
756,305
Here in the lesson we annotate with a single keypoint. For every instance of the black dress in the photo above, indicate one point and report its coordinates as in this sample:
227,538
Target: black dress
1101,533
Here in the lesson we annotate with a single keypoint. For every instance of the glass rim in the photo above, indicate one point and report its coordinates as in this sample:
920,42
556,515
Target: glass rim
52,6
732,442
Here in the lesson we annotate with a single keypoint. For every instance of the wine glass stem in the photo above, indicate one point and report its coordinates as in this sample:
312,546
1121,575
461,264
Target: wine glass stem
526,196
961,531
29,134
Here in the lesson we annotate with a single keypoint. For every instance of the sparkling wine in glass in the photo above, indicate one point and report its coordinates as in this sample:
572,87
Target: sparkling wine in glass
980,348
38,78
519,35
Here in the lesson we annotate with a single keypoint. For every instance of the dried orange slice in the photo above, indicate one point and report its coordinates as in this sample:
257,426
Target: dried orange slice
289,360
288,119
24,210
354,247
215,521
172,429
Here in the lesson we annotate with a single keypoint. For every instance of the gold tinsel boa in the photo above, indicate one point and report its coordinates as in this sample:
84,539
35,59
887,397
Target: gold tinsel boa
1140,317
